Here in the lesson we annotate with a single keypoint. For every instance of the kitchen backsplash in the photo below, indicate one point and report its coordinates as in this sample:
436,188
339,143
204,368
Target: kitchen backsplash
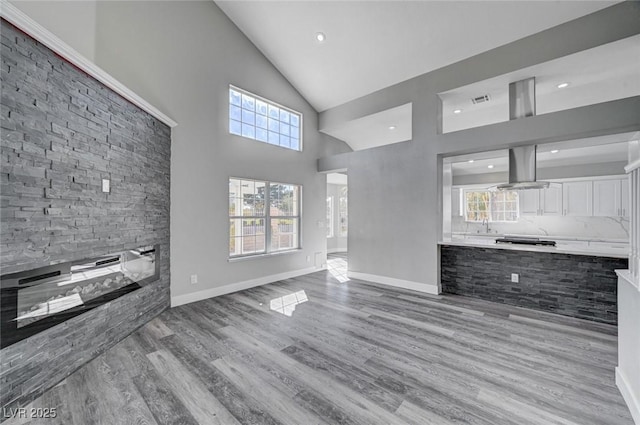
607,228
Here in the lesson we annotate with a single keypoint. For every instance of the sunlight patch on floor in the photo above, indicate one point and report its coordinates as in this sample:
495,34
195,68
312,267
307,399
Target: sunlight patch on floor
287,305
338,269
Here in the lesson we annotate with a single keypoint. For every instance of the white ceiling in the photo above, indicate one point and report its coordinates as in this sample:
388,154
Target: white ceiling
596,150
371,45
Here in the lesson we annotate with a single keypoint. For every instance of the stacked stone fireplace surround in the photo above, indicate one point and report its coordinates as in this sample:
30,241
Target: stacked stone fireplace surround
62,132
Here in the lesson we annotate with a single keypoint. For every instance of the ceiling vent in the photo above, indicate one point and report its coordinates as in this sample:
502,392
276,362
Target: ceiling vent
480,99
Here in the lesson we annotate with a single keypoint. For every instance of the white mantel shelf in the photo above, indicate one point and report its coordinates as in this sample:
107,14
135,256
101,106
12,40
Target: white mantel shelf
19,19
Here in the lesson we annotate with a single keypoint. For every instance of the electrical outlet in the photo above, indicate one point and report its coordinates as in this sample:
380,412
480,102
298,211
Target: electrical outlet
308,258
194,279
515,277
106,185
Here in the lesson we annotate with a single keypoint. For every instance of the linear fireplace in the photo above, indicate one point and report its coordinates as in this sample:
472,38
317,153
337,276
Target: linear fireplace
38,299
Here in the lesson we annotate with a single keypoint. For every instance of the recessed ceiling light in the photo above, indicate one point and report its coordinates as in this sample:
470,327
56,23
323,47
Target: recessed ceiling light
392,127
320,37
563,85
457,111
490,166
554,151
470,161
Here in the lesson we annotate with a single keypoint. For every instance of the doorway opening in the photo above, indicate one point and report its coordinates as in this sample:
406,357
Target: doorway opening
337,225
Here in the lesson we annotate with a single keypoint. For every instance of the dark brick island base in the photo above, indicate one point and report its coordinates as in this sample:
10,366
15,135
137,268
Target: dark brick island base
579,286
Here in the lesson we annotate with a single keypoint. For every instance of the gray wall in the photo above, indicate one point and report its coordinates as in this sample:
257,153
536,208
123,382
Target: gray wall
181,57
74,21
336,243
395,191
391,200
62,132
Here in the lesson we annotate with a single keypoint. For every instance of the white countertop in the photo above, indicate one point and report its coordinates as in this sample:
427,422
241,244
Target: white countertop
493,236
615,249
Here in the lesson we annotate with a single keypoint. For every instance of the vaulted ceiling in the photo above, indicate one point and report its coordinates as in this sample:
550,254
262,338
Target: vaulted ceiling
371,45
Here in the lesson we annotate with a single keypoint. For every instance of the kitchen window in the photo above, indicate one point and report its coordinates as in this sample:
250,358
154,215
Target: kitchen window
264,217
257,118
499,206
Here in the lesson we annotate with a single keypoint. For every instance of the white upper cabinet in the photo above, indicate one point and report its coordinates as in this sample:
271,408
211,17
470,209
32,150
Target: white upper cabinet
611,198
551,200
529,202
577,198
606,198
541,201
624,197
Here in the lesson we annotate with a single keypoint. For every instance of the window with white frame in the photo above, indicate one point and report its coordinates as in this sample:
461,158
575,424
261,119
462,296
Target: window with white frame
254,117
491,206
329,216
343,213
264,217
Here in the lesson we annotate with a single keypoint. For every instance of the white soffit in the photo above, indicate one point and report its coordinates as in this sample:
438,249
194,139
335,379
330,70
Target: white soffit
382,128
600,74
595,150
337,178
371,45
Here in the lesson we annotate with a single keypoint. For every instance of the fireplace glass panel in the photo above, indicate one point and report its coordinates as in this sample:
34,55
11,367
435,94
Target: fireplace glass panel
82,283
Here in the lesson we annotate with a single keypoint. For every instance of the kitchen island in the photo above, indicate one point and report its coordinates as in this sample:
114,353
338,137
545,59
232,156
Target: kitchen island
572,279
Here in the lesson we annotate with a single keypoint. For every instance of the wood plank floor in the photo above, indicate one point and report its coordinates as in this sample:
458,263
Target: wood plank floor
349,353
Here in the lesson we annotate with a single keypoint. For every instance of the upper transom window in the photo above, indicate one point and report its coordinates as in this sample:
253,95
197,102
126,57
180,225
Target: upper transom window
260,119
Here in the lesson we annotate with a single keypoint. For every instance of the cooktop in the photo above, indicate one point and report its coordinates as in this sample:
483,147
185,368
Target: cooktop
525,241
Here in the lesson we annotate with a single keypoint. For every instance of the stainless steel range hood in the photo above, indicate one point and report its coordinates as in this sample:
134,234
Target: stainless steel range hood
522,160
522,170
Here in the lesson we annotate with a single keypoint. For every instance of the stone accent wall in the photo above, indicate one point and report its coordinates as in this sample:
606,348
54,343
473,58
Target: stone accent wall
572,285
62,132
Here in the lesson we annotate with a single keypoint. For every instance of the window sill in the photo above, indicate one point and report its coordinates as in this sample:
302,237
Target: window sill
267,255
492,221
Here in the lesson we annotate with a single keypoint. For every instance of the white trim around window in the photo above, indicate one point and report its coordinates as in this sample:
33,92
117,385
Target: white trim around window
264,217
254,117
493,206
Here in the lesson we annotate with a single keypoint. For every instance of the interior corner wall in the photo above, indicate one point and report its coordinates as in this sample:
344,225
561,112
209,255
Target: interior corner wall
73,21
181,57
395,191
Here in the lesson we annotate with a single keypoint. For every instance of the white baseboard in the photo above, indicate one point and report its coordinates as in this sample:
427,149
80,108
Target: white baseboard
334,250
238,286
632,400
400,283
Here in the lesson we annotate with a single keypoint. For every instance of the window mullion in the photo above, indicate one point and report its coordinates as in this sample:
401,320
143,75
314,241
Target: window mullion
490,207
267,218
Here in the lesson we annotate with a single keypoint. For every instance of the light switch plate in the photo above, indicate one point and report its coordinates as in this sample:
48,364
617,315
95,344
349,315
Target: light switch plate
106,185
515,277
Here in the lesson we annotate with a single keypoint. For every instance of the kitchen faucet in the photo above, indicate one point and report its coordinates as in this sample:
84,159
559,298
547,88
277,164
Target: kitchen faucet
485,223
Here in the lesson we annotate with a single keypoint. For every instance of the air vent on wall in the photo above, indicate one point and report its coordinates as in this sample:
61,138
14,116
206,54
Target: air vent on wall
480,99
